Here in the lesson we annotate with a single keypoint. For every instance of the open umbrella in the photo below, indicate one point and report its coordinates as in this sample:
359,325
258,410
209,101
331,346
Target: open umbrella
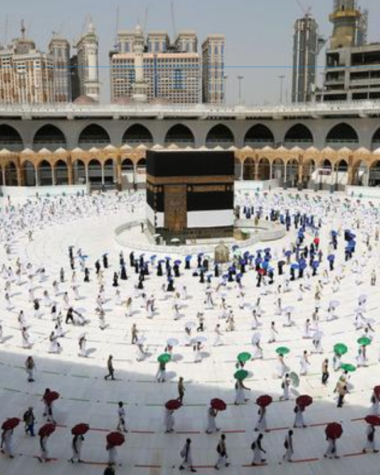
51,396
376,390
172,342
340,349
115,439
164,358
289,309
241,375
364,341
335,303
282,350
218,404
11,424
244,357
173,404
304,400
199,339
190,325
264,401
294,378
334,430
80,429
177,263
350,368
46,430
373,420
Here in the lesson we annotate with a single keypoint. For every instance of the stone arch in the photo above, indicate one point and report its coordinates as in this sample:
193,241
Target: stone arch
374,174
264,169
249,169
61,173
127,165
49,136
29,171
180,135
10,138
93,135
220,135
141,165
10,174
79,172
109,172
259,135
375,142
341,174
94,173
137,134
44,173
298,134
342,134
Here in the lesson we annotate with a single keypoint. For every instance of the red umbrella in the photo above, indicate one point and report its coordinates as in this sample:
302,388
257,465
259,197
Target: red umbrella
218,404
51,396
115,439
264,401
376,390
46,430
80,429
373,420
334,430
11,424
173,405
304,400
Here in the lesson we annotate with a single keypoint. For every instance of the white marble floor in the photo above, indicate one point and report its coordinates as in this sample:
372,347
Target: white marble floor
86,397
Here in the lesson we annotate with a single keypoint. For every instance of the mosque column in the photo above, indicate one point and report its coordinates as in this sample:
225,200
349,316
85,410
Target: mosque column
103,173
241,170
37,175
118,171
20,175
69,164
87,174
256,170
4,176
53,176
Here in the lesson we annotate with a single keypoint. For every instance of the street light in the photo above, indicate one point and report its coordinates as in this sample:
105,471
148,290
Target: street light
240,79
281,78
225,77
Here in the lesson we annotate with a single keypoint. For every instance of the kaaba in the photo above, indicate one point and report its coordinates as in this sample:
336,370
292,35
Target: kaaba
190,194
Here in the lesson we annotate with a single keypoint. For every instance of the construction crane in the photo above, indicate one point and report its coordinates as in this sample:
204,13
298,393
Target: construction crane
173,20
306,10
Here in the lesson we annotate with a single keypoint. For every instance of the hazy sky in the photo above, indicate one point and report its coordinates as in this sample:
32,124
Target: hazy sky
258,32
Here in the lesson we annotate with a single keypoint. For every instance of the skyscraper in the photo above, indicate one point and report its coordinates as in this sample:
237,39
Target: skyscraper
306,47
88,63
59,49
213,69
156,69
26,74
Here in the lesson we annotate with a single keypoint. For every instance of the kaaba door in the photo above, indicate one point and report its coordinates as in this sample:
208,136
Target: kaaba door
175,204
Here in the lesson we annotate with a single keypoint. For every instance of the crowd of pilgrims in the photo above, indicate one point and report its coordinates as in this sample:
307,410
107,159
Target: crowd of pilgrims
313,264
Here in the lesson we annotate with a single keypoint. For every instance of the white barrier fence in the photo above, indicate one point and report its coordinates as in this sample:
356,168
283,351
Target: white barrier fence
24,192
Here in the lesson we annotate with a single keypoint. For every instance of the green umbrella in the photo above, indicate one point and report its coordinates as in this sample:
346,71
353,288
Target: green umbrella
241,374
282,350
164,358
244,357
294,378
364,341
340,349
348,367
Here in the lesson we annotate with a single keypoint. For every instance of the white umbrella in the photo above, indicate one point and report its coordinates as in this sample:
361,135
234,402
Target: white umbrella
289,309
334,303
199,339
362,298
141,340
318,335
190,325
172,341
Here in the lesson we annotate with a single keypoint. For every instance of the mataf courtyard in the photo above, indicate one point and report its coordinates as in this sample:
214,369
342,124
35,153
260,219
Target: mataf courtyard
212,324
